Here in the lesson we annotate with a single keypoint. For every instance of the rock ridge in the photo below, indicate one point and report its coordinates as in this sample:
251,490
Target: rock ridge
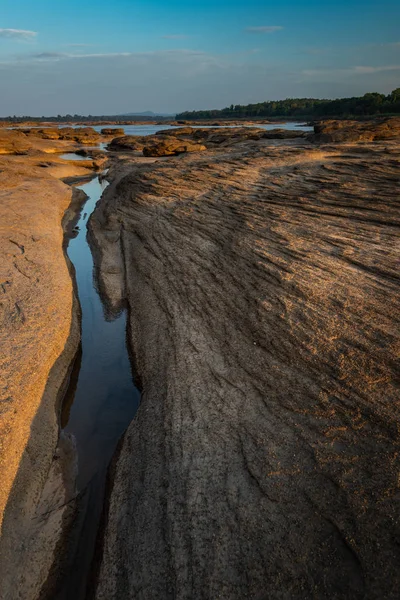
263,459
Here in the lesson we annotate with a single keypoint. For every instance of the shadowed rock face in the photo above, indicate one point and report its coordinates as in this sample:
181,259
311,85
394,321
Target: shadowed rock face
263,290
355,131
168,146
112,131
127,142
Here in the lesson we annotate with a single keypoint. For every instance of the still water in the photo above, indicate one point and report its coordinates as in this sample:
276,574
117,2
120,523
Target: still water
105,398
101,401
152,129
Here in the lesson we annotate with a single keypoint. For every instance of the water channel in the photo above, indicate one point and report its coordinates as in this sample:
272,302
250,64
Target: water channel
102,398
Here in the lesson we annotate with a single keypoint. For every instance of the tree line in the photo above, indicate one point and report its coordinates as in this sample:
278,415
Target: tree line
368,105
81,118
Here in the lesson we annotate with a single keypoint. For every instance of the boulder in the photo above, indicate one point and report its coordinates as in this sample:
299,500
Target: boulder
127,142
356,131
82,135
46,133
113,131
170,146
13,142
283,134
90,153
177,132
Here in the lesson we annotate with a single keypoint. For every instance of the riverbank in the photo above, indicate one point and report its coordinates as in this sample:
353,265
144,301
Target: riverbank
40,336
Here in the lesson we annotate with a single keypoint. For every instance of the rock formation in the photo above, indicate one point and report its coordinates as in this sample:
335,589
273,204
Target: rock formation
81,135
112,131
169,146
262,285
39,336
263,289
127,142
13,142
357,131
168,142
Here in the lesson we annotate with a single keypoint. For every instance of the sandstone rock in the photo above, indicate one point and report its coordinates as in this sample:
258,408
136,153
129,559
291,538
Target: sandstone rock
283,134
91,153
13,142
112,131
82,135
355,131
264,458
39,336
44,133
169,146
127,142
185,131
227,136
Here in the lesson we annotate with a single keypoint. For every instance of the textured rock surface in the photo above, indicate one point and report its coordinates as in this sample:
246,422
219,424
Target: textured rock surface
39,337
354,131
222,137
168,142
82,135
185,131
263,290
112,131
13,142
169,146
127,142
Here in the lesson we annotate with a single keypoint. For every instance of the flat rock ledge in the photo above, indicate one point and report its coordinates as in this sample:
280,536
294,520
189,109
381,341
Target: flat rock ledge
263,292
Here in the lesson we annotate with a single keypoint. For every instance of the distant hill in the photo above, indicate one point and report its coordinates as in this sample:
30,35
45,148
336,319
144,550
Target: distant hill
147,113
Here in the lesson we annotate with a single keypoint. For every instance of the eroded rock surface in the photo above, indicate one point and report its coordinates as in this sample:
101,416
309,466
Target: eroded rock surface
82,135
39,336
127,142
13,142
263,291
112,131
169,146
355,131
168,142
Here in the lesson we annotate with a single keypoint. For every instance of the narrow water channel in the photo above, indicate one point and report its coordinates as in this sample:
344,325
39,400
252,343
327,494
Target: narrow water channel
102,398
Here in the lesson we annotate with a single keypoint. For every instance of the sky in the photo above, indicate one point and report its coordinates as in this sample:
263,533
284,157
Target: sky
107,57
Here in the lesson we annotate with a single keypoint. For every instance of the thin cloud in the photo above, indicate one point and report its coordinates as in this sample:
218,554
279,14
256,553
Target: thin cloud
78,45
264,29
367,70
55,56
100,55
17,34
175,36
66,55
385,45
357,70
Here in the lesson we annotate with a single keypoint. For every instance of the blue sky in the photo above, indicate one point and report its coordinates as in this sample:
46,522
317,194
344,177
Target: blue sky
108,57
